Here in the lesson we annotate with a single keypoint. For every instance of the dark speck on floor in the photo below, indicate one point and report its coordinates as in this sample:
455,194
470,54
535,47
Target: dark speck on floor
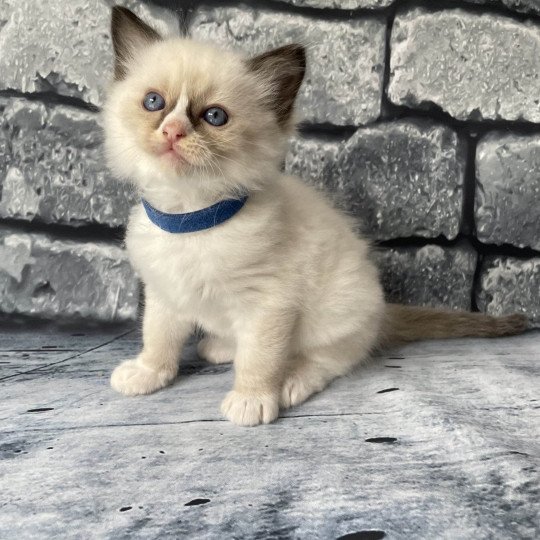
363,535
387,390
196,502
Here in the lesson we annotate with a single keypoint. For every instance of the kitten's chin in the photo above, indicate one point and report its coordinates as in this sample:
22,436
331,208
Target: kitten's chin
170,159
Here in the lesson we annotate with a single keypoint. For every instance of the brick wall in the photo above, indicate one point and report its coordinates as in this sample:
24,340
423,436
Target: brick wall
422,119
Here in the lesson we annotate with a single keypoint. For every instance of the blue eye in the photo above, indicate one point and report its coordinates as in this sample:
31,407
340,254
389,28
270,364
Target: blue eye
215,116
153,102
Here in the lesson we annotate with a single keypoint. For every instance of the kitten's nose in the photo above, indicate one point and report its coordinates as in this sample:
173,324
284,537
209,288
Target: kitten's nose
174,131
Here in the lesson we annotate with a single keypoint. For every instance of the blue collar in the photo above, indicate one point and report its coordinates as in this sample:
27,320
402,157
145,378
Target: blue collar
194,221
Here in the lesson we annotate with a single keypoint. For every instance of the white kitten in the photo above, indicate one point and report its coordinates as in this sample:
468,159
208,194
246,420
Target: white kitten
283,286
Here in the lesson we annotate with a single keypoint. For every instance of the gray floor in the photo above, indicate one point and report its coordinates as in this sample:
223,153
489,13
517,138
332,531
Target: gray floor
435,440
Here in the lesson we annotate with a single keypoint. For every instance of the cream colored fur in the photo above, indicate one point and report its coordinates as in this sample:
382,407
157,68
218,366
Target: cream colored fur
284,287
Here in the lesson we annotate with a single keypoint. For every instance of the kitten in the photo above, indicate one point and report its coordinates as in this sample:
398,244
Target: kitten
281,284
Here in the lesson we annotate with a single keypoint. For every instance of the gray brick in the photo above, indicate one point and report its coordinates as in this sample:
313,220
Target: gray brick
428,276
403,179
64,47
341,4
399,179
345,58
314,159
52,167
509,285
526,6
52,278
532,6
472,66
507,203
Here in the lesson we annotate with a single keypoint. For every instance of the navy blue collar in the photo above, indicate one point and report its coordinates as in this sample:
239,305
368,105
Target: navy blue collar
194,221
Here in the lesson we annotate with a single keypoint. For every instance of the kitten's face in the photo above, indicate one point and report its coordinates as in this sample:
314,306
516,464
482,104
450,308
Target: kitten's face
188,110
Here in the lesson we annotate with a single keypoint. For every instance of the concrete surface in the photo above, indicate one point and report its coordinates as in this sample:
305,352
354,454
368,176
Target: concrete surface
434,440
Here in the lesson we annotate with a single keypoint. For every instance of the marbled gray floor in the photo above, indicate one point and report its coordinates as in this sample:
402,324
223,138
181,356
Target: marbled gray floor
435,440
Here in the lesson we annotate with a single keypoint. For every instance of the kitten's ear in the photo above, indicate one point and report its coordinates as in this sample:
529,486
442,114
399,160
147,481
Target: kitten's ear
129,34
284,69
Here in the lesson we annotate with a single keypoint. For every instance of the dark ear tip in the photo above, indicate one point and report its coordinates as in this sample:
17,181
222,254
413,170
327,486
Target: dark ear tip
117,14
299,49
302,54
295,48
121,10
298,52
121,13
118,11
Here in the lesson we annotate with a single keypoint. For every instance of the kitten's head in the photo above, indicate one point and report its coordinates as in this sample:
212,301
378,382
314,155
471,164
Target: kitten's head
181,112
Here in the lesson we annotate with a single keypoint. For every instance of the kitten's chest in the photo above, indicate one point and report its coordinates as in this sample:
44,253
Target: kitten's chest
191,271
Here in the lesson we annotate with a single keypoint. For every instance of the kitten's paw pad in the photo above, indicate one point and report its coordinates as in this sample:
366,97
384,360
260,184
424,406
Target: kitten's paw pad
296,390
132,378
250,410
215,350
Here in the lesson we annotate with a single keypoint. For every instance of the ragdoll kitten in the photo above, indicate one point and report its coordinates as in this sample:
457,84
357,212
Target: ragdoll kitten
278,280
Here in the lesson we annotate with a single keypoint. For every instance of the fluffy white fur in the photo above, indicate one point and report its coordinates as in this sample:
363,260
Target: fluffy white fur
284,287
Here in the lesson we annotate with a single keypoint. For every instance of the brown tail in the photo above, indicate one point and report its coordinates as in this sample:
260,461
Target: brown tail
411,323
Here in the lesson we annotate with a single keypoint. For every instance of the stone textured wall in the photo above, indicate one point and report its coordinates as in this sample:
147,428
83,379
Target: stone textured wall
421,119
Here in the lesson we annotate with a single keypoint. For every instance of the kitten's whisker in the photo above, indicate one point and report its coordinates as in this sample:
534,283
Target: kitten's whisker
235,162
124,150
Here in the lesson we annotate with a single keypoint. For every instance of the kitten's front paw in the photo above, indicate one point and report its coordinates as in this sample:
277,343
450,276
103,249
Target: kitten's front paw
250,409
133,378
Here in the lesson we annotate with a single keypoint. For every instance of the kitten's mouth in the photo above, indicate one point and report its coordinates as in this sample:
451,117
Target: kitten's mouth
175,156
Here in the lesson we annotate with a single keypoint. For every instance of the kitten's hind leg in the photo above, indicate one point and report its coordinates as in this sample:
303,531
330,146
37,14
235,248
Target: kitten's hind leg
312,371
216,350
304,379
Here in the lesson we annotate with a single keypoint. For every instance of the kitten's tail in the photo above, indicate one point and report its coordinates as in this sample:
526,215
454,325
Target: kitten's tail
411,323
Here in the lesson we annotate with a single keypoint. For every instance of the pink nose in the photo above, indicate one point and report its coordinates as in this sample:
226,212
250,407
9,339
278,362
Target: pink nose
174,131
